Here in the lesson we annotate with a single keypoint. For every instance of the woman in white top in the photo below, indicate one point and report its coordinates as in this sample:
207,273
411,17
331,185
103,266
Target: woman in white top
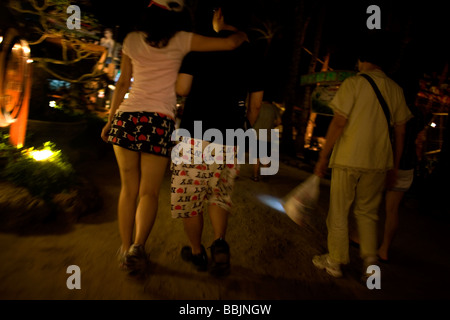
140,127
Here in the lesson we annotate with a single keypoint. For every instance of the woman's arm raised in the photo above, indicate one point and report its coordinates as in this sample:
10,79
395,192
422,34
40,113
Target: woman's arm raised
203,43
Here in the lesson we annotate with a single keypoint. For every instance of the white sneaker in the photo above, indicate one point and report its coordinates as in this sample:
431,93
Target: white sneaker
324,262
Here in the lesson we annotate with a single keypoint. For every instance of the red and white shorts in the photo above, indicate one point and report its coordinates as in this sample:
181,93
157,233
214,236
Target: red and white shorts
141,131
194,184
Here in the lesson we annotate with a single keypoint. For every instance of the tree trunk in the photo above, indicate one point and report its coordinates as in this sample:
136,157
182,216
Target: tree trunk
291,94
306,105
326,62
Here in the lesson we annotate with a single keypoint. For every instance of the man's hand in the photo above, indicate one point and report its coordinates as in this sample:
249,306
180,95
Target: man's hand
321,167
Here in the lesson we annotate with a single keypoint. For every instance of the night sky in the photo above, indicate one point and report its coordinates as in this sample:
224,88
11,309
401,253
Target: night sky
344,22
423,23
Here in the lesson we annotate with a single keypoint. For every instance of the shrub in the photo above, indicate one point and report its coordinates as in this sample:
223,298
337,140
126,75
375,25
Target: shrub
42,177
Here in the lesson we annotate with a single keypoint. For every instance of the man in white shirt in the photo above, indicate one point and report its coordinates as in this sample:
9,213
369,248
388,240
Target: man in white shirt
362,157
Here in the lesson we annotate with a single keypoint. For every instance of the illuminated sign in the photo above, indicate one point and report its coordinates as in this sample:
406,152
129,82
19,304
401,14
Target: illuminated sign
327,76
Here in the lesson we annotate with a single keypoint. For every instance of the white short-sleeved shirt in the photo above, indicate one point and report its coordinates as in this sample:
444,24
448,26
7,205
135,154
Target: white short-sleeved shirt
155,72
364,143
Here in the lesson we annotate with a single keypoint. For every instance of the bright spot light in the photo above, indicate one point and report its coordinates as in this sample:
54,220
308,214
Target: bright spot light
126,95
433,125
271,202
112,87
52,104
26,49
1,39
40,155
30,60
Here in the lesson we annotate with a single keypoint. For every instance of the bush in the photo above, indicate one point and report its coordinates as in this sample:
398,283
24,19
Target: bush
43,178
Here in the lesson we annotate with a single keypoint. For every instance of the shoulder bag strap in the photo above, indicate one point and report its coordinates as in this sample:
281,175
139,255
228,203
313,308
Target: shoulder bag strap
381,100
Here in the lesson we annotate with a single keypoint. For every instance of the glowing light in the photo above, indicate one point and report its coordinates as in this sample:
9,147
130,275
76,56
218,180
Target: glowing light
101,94
433,125
272,202
30,60
26,49
1,39
41,155
46,153
52,104
112,87
126,95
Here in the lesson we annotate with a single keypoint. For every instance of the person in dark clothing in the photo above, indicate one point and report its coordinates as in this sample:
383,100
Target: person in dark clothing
223,92
408,77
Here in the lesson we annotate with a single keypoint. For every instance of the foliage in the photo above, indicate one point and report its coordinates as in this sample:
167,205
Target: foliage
44,25
62,112
5,147
48,19
43,178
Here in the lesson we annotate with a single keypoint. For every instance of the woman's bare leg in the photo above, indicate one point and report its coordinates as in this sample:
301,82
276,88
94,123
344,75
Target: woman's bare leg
393,200
128,162
153,169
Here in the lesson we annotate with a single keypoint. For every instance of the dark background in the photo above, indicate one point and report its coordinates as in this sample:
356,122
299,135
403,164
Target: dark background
423,24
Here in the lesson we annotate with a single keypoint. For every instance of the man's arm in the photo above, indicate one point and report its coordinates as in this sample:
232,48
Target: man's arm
203,43
335,130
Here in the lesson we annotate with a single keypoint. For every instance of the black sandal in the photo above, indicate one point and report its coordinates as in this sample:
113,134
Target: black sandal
200,261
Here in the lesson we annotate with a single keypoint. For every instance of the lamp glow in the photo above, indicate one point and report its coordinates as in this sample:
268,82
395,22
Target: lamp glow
41,155
272,202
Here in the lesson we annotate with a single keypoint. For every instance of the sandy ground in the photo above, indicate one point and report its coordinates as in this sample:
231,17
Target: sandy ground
271,255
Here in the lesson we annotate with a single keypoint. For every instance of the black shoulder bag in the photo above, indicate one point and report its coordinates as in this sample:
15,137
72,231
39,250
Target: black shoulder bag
382,102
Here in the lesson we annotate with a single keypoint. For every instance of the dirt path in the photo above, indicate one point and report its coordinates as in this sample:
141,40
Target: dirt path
271,256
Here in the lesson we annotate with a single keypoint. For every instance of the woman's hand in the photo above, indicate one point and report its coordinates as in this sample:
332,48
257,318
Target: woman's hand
105,131
239,37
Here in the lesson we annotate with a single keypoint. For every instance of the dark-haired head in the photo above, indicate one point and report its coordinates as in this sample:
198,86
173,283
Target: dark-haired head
377,48
161,24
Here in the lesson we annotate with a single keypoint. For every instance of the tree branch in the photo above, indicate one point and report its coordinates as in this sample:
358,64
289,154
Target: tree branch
82,79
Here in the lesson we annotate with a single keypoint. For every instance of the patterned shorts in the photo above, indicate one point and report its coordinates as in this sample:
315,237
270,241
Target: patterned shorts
193,185
148,132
